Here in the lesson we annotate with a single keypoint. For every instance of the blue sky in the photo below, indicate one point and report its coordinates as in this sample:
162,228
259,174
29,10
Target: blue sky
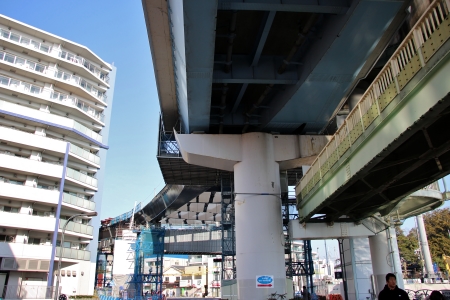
116,31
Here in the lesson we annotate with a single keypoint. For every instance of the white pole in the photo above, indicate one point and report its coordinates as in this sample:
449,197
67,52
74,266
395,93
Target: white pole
424,247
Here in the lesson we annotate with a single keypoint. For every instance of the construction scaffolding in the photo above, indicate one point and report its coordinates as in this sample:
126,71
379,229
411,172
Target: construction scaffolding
228,231
149,244
298,266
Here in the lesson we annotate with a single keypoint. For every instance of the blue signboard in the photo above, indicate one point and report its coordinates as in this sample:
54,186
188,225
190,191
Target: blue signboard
264,281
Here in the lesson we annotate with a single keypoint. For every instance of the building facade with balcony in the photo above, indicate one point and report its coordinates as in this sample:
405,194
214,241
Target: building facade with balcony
55,108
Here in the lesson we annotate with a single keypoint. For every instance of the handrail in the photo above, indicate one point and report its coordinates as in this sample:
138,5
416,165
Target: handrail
424,39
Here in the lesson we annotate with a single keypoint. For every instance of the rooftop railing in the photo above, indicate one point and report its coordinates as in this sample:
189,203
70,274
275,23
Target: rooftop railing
425,38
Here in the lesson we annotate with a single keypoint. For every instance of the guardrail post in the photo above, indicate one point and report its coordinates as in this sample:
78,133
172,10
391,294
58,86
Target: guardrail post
360,116
395,72
418,43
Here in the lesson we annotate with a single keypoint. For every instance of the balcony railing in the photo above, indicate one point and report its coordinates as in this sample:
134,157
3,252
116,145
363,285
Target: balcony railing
81,128
36,45
90,133
23,62
76,227
77,80
20,85
73,253
84,154
77,201
71,173
73,148
74,101
74,79
24,41
26,87
85,63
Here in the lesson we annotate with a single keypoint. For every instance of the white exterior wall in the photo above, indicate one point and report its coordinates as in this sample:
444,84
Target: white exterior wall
37,121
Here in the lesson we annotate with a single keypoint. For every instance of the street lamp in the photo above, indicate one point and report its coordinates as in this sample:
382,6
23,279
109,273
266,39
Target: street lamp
61,247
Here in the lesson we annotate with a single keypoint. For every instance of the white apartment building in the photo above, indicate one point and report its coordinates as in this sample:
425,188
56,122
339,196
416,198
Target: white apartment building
55,107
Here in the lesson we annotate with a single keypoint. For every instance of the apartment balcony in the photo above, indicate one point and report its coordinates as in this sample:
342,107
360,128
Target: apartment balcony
86,65
41,195
45,224
79,202
72,83
28,251
19,137
74,150
42,51
53,171
76,254
81,178
29,166
46,118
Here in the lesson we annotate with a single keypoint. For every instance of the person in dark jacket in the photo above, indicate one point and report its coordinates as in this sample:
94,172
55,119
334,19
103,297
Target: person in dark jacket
391,290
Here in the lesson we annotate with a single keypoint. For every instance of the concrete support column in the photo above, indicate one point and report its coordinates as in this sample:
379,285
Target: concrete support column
423,240
358,268
259,235
381,259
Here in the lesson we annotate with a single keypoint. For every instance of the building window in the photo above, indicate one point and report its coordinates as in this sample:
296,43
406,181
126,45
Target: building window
177,278
34,241
166,279
10,209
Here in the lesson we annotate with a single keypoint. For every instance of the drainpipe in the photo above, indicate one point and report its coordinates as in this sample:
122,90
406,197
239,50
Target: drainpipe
58,213
301,38
256,105
230,41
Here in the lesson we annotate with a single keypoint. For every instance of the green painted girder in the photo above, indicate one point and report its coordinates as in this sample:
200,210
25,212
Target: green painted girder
416,107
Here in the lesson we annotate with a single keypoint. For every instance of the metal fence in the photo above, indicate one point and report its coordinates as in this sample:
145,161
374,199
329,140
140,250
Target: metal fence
27,292
424,294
